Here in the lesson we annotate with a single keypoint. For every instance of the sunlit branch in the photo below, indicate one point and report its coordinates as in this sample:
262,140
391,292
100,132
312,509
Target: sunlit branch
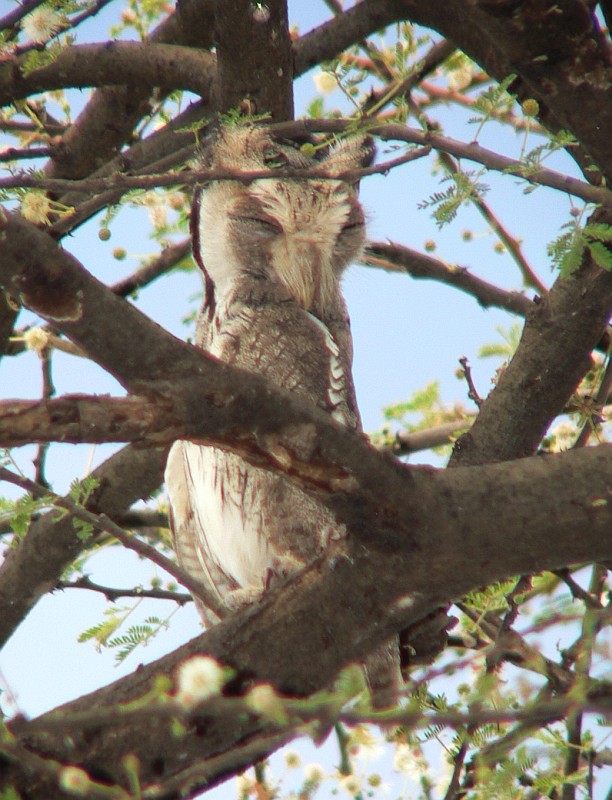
397,258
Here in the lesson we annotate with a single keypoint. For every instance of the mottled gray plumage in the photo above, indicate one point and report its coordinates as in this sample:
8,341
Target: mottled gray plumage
272,254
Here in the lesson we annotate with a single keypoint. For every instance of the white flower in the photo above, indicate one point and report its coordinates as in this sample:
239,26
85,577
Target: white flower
36,339
42,23
325,82
460,78
199,679
245,785
351,784
36,207
158,217
364,744
74,780
314,773
410,760
264,700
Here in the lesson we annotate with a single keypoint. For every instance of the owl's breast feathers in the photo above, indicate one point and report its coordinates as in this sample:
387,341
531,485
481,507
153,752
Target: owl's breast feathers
235,525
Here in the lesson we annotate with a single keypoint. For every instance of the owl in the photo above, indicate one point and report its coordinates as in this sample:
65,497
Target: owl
272,253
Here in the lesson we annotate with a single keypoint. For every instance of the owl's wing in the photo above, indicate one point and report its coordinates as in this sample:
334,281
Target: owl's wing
236,525
185,528
292,348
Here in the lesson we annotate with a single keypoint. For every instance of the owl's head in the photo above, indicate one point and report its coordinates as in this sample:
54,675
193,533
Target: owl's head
301,233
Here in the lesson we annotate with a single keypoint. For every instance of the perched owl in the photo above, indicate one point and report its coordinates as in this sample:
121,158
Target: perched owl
272,253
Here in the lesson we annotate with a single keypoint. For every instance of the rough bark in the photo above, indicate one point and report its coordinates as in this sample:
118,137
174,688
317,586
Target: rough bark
302,633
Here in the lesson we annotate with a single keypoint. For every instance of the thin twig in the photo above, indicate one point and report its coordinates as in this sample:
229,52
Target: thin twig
467,373
18,13
470,151
190,177
407,442
113,594
397,258
103,523
15,153
599,401
512,245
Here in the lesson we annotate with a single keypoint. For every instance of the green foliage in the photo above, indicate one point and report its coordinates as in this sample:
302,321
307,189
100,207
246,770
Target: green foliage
316,108
446,204
136,635
533,160
421,401
511,337
81,491
18,513
10,793
422,410
37,59
100,633
487,599
237,116
139,16
103,634
494,101
568,250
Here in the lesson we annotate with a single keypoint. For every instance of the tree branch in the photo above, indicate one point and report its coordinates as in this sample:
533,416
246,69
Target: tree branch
111,593
261,80
470,151
287,637
148,64
32,569
397,258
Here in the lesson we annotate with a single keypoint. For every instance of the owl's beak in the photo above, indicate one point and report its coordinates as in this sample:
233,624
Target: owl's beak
304,267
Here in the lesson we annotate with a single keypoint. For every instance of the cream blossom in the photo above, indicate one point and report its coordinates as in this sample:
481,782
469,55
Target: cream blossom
42,23
36,339
75,780
245,785
36,207
461,77
410,760
325,82
314,773
198,679
351,785
264,700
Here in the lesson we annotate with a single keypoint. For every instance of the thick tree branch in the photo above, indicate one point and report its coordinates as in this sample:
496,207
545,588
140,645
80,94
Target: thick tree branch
447,548
130,63
262,78
82,418
113,112
552,358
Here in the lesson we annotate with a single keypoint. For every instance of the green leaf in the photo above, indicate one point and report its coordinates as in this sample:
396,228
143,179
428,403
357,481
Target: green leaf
601,255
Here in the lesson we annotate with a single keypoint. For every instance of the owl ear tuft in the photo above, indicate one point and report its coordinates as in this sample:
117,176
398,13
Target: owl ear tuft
355,152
